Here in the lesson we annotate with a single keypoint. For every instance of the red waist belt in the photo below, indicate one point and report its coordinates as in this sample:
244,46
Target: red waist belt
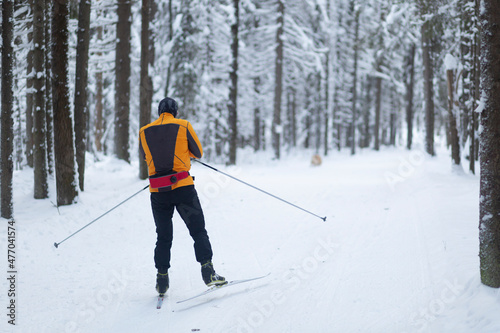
168,180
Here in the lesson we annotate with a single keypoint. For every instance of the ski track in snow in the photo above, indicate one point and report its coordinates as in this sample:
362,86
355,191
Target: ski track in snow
397,253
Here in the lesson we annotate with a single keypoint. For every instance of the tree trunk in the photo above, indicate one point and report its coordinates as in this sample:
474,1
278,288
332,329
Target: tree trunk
452,119
291,125
428,87
170,37
477,80
81,81
489,209
355,83
365,142
29,93
409,96
326,110
63,129
278,85
19,136
378,97
318,111
99,119
48,90
294,116
39,116
233,88
122,81
7,122
393,121
465,95
146,87
476,77
256,116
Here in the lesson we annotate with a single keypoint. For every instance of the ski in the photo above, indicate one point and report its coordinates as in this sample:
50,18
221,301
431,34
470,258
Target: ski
160,302
230,283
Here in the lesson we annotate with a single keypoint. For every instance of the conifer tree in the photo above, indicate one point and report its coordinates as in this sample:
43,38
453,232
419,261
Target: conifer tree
7,123
64,152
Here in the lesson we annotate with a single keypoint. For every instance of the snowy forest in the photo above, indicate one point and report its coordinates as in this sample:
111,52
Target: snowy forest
270,75
81,77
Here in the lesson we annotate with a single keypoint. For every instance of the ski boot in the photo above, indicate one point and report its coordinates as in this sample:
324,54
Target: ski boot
162,282
209,276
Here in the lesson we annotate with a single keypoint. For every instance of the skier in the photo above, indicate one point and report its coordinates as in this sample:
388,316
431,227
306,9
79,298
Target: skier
166,145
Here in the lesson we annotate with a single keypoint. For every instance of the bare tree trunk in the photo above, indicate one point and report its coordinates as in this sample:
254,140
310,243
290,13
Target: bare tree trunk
29,93
355,83
326,110
81,80
318,111
7,122
392,121
392,136
278,86
170,37
99,119
63,129
48,90
122,81
233,88
339,137
146,87
39,116
476,95
477,81
365,140
378,97
452,120
489,208
409,96
293,109
291,125
19,136
256,116
428,87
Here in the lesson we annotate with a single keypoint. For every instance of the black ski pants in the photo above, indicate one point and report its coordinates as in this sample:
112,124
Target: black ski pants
185,200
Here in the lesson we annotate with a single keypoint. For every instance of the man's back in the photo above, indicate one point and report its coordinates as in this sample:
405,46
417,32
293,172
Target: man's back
167,144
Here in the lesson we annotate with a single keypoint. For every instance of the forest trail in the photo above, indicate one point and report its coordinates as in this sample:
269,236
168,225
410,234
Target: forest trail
398,252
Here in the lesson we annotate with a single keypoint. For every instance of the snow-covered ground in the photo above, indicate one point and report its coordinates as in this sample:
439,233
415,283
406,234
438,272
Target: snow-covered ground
398,252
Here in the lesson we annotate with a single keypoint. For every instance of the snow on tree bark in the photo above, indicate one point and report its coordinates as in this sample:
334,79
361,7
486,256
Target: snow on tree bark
63,129
81,82
146,87
428,86
122,81
7,123
48,89
451,66
278,86
409,95
233,88
29,93
489,209
39,116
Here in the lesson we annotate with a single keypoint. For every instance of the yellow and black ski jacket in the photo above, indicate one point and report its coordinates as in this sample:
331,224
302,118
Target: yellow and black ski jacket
167,144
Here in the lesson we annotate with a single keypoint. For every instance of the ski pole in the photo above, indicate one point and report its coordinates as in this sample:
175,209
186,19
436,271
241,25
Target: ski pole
85,226
261,190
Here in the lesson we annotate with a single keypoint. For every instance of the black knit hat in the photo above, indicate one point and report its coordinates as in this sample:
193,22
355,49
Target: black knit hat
168,105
